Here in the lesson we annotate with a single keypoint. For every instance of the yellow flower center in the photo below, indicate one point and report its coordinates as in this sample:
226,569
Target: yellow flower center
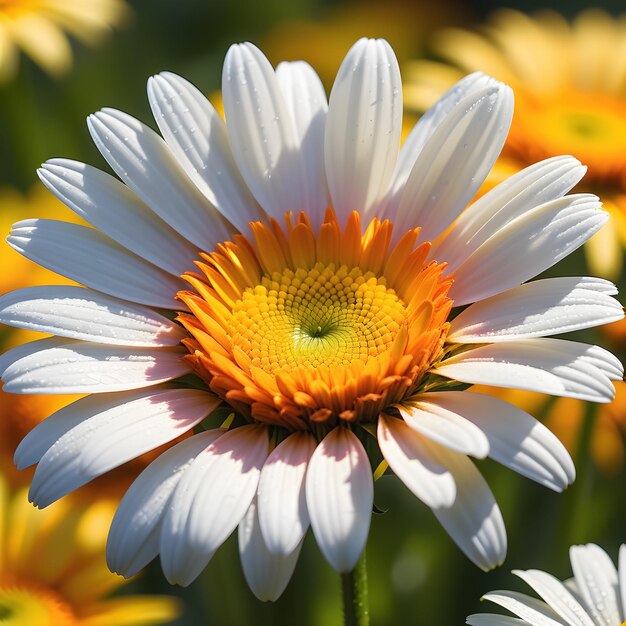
324,315
292,328
590,126
25,604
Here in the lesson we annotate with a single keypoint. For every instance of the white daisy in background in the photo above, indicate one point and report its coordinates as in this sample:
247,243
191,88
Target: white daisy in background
323,329
596,596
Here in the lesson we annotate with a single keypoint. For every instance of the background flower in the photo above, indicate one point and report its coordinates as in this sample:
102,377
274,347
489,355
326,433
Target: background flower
52,567
593,596
39,27
570,98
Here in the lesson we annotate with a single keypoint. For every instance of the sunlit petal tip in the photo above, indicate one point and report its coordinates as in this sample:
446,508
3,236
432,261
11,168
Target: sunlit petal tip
210,500
340,496
474,520
133,539
467,141
415,462
597,582
267,574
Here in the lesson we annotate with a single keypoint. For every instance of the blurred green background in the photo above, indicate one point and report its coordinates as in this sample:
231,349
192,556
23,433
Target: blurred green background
417,575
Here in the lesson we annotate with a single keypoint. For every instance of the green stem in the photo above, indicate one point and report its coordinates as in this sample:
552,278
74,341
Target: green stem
579,509
355,595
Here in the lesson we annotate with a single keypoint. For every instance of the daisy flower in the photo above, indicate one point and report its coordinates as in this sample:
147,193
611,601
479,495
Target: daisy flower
53,571
38,28
570,97
314,271
595,596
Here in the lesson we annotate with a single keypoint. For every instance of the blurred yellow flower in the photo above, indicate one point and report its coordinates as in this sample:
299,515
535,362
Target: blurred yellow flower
15,206
570,89
53,571
404,23
39,27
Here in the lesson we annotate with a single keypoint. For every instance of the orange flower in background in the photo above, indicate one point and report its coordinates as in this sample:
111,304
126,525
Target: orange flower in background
39,28
570,91
53,572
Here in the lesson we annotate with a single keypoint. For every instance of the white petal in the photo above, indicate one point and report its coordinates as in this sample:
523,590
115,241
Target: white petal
553,366
572,587
109,405
515,438
363,128
210,500
600,285
306,100
606,362
474,520
447,427
70,366
534,611
112,431
557,596
622,578
543,307
282,511
340,496
80,313
196,135
108,205
531,187
267,574
426,126
262,132
527,246
415,463
88,257
455,161
484,619
134,535
597,583
143,161
25,349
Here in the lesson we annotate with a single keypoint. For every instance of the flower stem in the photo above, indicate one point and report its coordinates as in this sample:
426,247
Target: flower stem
355,595
581,492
